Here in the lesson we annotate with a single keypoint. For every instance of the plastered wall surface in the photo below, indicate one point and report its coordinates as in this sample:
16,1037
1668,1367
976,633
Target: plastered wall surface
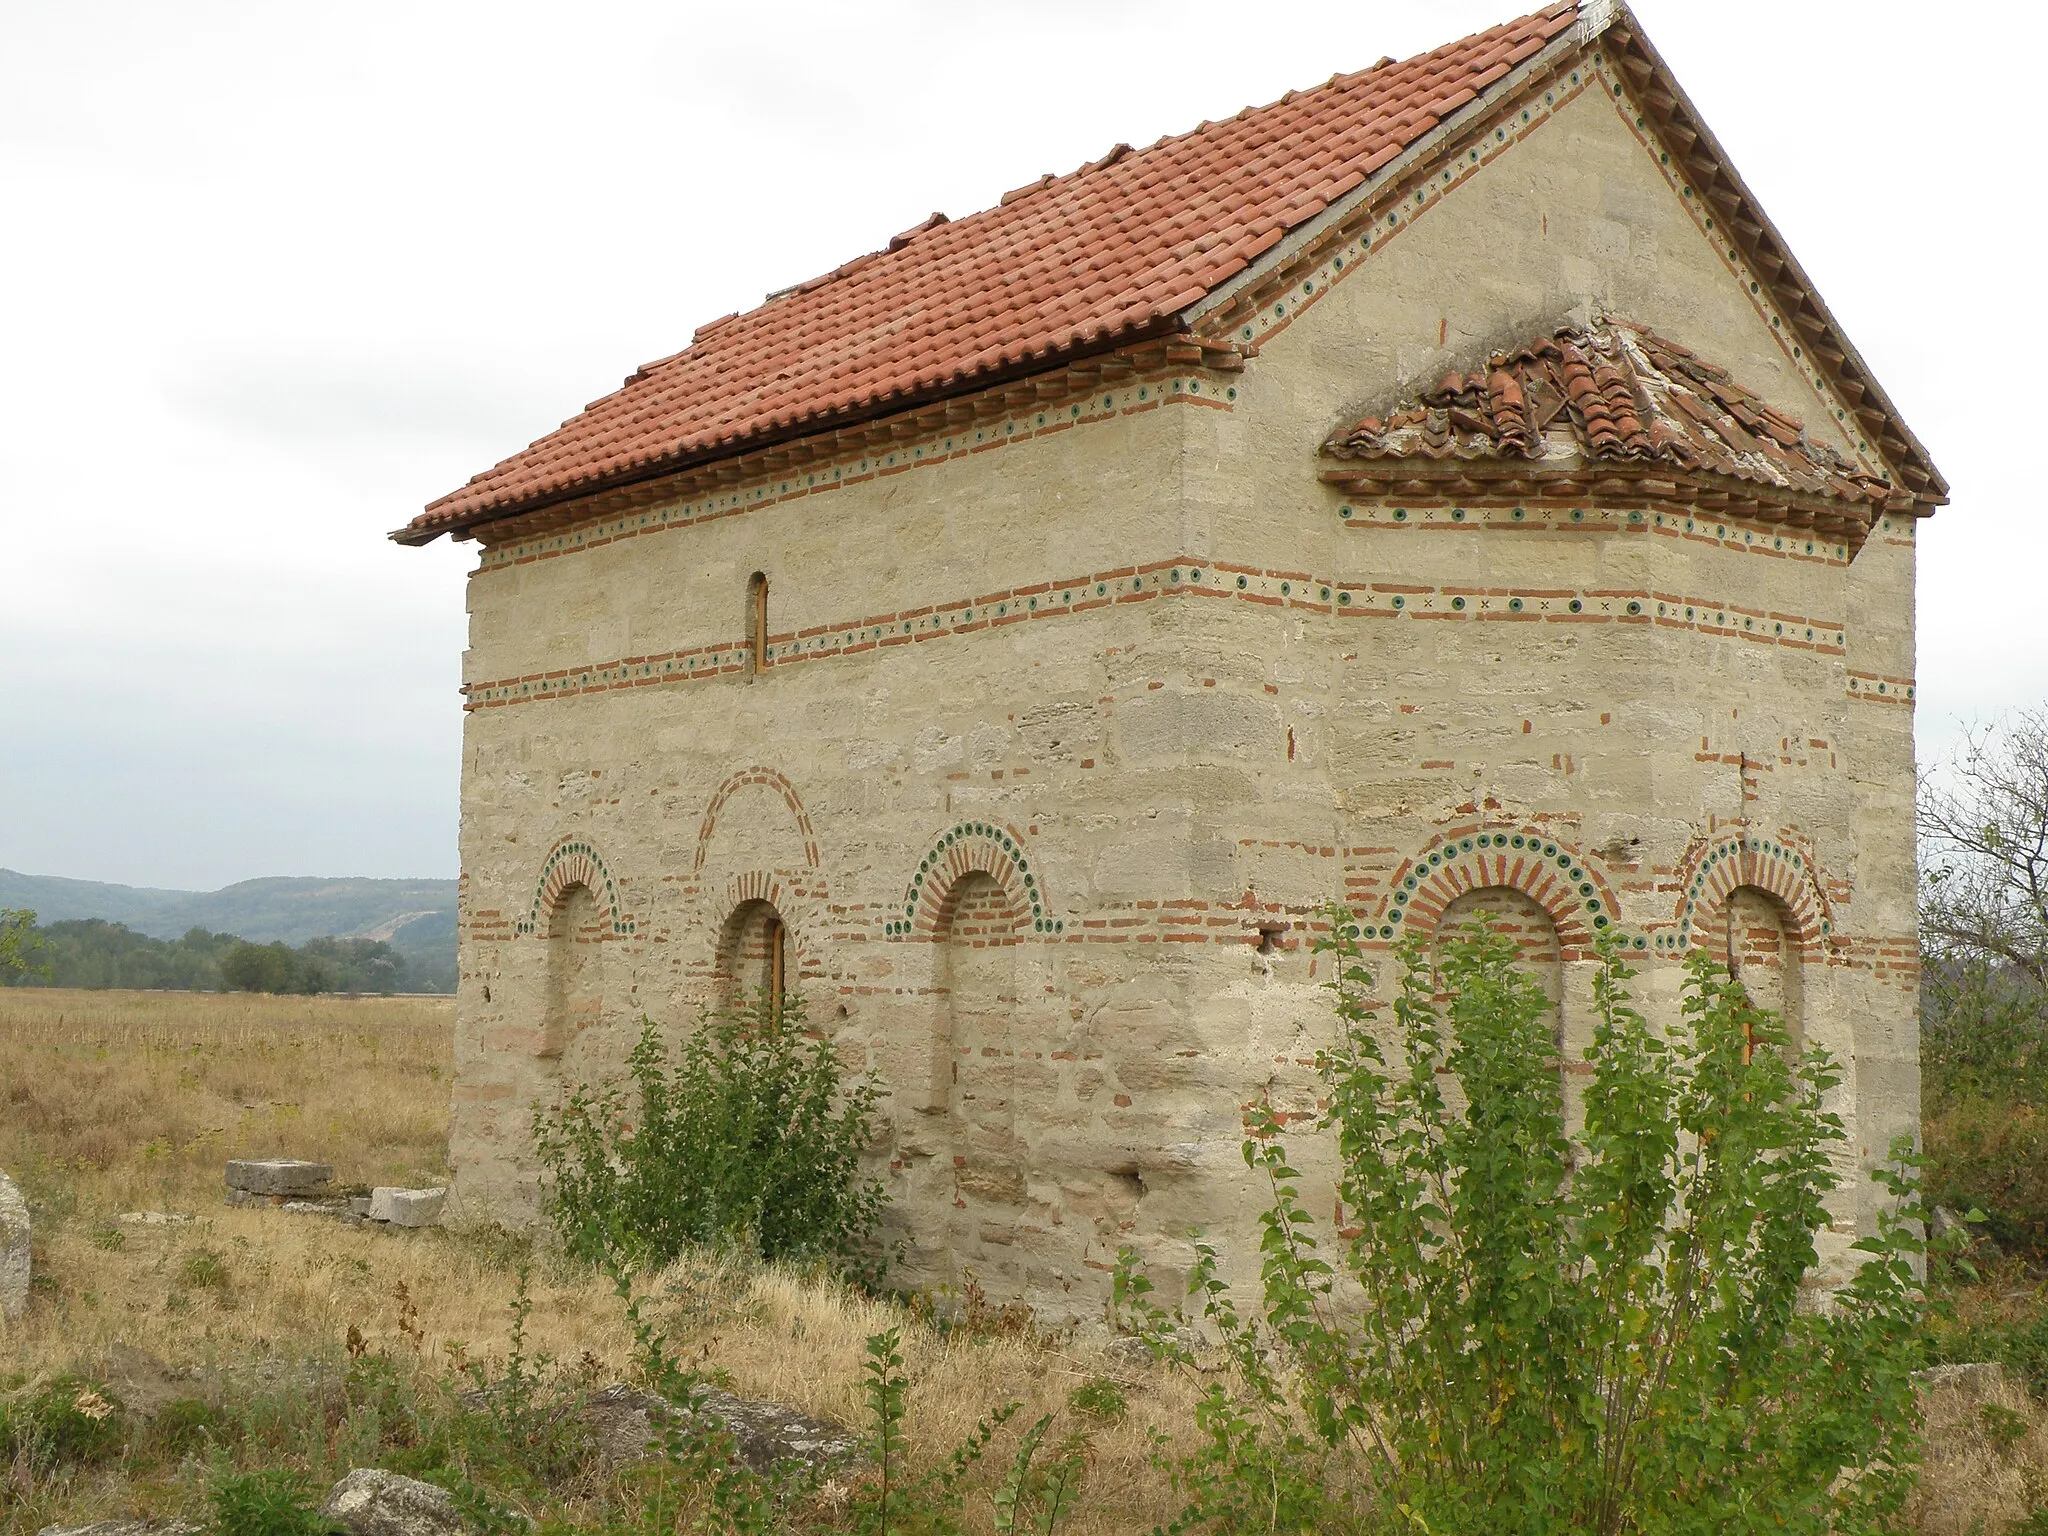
1065,734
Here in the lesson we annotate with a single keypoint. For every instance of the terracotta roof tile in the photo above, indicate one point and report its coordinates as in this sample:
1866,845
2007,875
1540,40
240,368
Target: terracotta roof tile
1110,251
1613,396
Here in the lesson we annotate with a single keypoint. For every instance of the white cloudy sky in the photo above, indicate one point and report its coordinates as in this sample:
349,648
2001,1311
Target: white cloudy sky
272,276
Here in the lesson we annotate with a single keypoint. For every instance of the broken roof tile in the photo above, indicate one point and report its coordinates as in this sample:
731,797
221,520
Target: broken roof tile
1626,399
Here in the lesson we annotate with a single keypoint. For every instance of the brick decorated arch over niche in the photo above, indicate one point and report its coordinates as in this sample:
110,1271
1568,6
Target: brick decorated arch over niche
1533,862
776,783
573,862
1716,864
971,846
796,907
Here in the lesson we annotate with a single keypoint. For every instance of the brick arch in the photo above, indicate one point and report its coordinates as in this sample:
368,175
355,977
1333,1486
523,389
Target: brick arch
793,904
1550,873
967,848
1716,866
740,780
573,862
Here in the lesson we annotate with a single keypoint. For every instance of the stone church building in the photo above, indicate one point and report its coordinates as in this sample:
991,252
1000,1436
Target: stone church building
1438,491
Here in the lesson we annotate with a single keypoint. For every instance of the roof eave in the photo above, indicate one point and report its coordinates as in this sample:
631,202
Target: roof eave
418,534
1686,134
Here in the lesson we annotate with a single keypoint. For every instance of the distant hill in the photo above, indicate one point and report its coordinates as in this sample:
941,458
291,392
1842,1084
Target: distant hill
417,917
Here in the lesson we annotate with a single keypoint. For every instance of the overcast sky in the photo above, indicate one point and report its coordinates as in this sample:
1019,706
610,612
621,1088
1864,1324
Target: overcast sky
274,275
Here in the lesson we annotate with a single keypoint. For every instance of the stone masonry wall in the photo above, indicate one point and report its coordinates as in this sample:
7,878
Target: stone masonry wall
1071,720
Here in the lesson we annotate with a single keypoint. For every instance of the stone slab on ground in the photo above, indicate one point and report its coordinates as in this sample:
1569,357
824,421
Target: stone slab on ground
279,1176
1982,1377
14,1262
407,1207
373,1502
625,1423
173,1527
317,1208
769,1432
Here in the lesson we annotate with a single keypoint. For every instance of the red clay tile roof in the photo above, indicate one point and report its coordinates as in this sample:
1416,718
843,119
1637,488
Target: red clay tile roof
1115,253
1064,266
1618,398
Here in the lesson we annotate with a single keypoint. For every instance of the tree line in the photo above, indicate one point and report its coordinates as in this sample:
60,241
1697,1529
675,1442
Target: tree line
89,952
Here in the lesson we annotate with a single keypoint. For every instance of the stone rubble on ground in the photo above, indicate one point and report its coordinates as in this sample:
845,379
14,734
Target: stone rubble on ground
153,1219
315,1208
626,1422
407,1207
14,1260
279,1177
1129,1352
305,1189
373,1502
768,1433
127,1528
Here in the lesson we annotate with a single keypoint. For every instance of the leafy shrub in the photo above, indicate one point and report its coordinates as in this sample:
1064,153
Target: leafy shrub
751,1137
185,1425
271,1503
531,1408
62,1421
1600,1338
1983,1033
1992,1156
2020,1345
1099,1398
206,1269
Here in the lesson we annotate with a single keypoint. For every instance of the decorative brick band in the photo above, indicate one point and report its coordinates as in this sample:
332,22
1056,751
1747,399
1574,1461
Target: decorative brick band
1880,688
1085,403
766,885
1715,867
1527,860
574,863
1249,319
972,847
1178,578
1510,514
771,780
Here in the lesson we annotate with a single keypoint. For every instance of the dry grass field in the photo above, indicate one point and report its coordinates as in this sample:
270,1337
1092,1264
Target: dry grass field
116,1104
122,1103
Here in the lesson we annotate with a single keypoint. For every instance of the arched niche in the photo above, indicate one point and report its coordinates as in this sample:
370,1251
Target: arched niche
1514,915
572,1000
1756,936
977,933
754,955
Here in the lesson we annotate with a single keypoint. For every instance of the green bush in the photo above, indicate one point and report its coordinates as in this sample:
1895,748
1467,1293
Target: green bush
1983,1033
2020,1345
1525,1334
269,1503
1099,1398
60,1422
1992,1156
185,1425
752,1136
